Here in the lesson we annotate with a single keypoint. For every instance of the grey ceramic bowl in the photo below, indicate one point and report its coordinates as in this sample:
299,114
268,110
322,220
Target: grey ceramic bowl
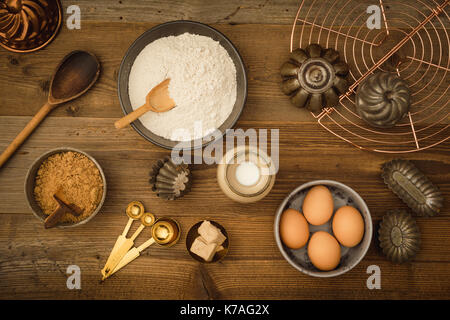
30,181
175,28
342,195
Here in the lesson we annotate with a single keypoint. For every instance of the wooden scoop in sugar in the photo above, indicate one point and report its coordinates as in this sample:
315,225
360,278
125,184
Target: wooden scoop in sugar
63,207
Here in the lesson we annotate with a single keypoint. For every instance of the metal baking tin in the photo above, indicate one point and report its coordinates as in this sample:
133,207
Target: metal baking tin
313,77
413,187
399,236
169,180
32,24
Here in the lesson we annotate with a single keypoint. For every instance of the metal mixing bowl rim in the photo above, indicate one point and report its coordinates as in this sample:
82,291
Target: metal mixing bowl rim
280,209
241,61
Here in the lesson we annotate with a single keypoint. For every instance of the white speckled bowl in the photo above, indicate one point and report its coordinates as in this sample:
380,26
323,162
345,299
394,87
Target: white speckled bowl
342,195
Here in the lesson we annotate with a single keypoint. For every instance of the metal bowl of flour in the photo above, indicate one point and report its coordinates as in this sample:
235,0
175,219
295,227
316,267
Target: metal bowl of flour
176,28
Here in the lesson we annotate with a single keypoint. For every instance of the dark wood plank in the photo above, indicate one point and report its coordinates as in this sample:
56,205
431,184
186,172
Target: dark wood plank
253,269
26,77
306,152
245,12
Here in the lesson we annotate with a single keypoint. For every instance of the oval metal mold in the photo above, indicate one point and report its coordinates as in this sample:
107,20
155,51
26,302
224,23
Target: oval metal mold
413,187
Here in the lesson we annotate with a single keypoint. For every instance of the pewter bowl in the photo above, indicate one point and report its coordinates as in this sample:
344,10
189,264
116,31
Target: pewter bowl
30,182
342,196
175,28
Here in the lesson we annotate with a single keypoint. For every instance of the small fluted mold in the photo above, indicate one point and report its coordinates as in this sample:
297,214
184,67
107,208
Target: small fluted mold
413,187
28,25
314,77
169,180
399,236
383,99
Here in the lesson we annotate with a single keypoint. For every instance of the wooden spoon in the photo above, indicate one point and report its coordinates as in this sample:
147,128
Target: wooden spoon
75,75
158,100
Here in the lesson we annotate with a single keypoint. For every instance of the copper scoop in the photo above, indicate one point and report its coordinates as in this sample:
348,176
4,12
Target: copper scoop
75,75
157,100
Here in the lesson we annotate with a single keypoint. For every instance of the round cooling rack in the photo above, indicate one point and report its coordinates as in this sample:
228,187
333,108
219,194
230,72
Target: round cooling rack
413,42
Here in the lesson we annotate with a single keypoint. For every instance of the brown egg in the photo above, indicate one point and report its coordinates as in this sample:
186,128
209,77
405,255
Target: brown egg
318,205
294,229
324,251
348,226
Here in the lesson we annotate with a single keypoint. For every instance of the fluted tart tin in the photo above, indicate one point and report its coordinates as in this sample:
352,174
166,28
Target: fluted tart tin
169,180
314,77
29,25
413,187
399,236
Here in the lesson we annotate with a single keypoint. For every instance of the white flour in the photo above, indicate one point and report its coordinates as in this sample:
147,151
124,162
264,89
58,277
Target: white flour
203,85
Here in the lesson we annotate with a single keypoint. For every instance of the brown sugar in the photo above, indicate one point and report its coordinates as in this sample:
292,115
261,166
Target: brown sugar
76,176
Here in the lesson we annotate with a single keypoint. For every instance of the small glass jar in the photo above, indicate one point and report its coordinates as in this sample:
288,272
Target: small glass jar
246,174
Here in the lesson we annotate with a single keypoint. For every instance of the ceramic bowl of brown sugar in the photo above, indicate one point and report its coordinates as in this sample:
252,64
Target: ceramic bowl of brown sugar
68,180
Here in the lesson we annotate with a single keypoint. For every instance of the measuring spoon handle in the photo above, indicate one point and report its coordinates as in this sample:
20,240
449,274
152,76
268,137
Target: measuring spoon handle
133,254
137,232
119,242
146,244
130,256
23,135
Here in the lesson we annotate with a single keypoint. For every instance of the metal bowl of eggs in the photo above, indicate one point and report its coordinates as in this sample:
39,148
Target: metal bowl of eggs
323,228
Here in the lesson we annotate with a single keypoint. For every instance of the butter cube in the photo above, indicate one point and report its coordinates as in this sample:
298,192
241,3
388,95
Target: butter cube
210,233
203,249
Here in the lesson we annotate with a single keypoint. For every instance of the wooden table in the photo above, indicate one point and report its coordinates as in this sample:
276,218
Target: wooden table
33,261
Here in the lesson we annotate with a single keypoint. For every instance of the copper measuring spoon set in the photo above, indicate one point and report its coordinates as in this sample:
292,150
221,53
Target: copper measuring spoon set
164,232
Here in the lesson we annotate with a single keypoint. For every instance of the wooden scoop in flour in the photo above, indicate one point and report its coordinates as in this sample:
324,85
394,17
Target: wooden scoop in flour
158,100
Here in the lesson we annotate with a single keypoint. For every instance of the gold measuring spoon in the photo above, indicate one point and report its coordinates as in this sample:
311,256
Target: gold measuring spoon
147,220
157,100
165,232
75,75
134,211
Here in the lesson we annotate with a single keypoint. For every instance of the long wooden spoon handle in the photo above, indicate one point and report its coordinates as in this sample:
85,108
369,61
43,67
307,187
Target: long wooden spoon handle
46,108
129,118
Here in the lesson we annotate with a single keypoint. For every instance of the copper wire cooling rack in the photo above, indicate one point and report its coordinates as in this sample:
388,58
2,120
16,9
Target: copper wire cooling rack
413,42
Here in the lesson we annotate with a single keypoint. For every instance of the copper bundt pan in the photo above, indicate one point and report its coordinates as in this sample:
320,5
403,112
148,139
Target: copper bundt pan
29,25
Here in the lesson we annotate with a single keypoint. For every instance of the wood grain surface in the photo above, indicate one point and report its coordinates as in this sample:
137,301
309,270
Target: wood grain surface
33,261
